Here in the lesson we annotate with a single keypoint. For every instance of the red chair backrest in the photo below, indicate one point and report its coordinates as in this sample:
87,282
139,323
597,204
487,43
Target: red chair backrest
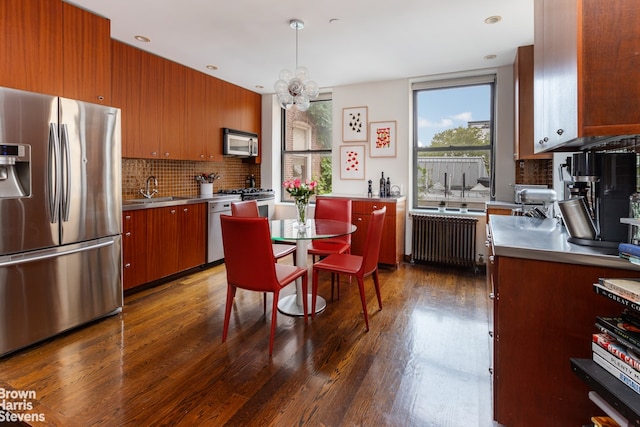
248,254
336,209
372,243
246,209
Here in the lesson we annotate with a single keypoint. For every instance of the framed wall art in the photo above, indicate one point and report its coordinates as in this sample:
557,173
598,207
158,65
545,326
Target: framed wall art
354,124
352,162
382,139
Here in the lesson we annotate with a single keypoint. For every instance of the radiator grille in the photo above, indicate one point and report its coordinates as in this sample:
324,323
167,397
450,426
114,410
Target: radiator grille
444,239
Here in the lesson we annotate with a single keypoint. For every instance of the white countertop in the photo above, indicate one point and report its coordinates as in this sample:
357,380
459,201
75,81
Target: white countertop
546,240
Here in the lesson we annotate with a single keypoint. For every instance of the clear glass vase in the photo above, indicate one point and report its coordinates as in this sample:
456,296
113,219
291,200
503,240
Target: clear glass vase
302,207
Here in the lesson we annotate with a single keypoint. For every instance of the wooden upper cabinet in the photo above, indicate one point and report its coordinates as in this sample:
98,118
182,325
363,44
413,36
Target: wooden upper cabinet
138,79
196,142
523,109
173,119
204,135
52,47
586,71
86,56
31,45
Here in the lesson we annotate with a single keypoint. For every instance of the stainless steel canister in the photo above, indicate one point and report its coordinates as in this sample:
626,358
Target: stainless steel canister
577,219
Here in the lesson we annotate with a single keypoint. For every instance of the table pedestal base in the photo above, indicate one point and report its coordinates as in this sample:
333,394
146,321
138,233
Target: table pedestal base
288,305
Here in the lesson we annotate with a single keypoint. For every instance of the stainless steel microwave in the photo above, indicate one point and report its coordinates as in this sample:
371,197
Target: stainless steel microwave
239,143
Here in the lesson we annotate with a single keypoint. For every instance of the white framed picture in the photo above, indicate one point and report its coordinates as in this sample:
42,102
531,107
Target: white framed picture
354,124
382,139
352,161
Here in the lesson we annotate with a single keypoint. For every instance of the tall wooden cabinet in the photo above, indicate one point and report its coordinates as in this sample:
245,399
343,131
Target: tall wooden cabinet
52,47
392,245
585,71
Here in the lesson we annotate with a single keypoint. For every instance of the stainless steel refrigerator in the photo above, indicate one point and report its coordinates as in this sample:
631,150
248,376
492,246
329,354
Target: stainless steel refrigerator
60,216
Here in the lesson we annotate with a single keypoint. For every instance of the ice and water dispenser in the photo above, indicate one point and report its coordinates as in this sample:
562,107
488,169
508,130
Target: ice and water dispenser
15,171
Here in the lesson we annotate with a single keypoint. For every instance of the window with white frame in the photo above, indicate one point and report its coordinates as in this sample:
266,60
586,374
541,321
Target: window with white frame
453,142
307,144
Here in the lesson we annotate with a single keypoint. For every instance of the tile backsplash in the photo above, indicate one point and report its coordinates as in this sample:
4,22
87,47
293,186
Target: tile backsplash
177,177
534,172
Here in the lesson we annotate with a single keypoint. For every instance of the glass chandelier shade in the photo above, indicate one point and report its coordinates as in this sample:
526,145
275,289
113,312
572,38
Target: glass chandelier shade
295,88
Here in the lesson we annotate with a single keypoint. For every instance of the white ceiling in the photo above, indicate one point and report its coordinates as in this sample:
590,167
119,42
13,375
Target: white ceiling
250,41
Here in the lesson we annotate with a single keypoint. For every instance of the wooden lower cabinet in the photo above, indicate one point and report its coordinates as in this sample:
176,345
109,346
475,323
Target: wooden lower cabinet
392,245
544,314
134,248
162,241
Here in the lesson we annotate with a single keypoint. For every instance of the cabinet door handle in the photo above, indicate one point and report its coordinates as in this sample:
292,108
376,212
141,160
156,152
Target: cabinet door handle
185,210
492,295
128,234
127,265
491,259
491,334
173,211
100,98
166,154
154,153
127,217
560,131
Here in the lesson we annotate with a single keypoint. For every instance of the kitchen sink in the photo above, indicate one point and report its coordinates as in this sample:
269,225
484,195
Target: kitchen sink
156,199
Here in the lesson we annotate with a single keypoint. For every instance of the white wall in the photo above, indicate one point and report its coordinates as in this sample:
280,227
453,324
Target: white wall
385,101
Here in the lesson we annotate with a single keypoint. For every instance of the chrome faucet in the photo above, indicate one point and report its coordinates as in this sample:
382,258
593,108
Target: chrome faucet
149,193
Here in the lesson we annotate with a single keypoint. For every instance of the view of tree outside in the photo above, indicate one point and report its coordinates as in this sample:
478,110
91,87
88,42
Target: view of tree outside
307,144
453,145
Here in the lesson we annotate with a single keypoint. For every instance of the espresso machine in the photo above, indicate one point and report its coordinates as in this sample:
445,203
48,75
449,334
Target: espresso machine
599,190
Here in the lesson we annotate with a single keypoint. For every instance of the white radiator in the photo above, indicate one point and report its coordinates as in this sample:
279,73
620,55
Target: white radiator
444,239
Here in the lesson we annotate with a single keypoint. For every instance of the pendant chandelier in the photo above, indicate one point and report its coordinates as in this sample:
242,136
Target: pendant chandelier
295,88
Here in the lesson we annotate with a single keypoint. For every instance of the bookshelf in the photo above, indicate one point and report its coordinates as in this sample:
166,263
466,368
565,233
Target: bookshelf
613,396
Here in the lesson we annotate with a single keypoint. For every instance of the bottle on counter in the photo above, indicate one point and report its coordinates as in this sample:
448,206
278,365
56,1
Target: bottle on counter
370,189
383,186
387,188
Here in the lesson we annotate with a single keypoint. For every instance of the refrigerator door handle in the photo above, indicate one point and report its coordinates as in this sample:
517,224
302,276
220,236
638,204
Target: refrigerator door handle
53,171
66,170
10,260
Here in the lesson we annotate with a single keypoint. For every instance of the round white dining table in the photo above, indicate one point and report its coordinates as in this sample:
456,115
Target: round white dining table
288,230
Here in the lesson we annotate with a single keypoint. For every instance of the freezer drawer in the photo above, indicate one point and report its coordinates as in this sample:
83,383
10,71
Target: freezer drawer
45,292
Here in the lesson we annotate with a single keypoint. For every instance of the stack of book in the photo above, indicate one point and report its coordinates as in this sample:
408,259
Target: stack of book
630,252
616,346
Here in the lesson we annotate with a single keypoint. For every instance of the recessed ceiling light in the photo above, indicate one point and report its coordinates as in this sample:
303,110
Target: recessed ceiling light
259,87
334,21
212,67
489,57
142,39
493,19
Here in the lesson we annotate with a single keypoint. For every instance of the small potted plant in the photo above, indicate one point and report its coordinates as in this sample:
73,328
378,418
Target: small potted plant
441,206
463,208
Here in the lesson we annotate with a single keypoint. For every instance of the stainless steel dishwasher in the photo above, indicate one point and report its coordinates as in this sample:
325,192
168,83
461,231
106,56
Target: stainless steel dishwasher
217,207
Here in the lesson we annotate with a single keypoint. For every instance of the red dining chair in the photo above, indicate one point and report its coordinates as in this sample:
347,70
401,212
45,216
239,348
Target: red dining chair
356,265
250,265
249,209
339,210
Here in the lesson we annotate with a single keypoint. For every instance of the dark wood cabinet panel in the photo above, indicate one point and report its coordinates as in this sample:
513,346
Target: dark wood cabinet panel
204,135
162,238
192,235
174,103
31,45
160,242
392,244
585,69
523,109
544,314
138,81
86,56
134,248
52,47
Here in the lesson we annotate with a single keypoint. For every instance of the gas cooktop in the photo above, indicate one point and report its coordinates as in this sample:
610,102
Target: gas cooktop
250,193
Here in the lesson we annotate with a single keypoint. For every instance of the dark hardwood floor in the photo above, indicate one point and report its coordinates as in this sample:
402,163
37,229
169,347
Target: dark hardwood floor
424,362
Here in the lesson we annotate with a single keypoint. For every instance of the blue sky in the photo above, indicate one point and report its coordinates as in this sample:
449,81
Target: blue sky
441,109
